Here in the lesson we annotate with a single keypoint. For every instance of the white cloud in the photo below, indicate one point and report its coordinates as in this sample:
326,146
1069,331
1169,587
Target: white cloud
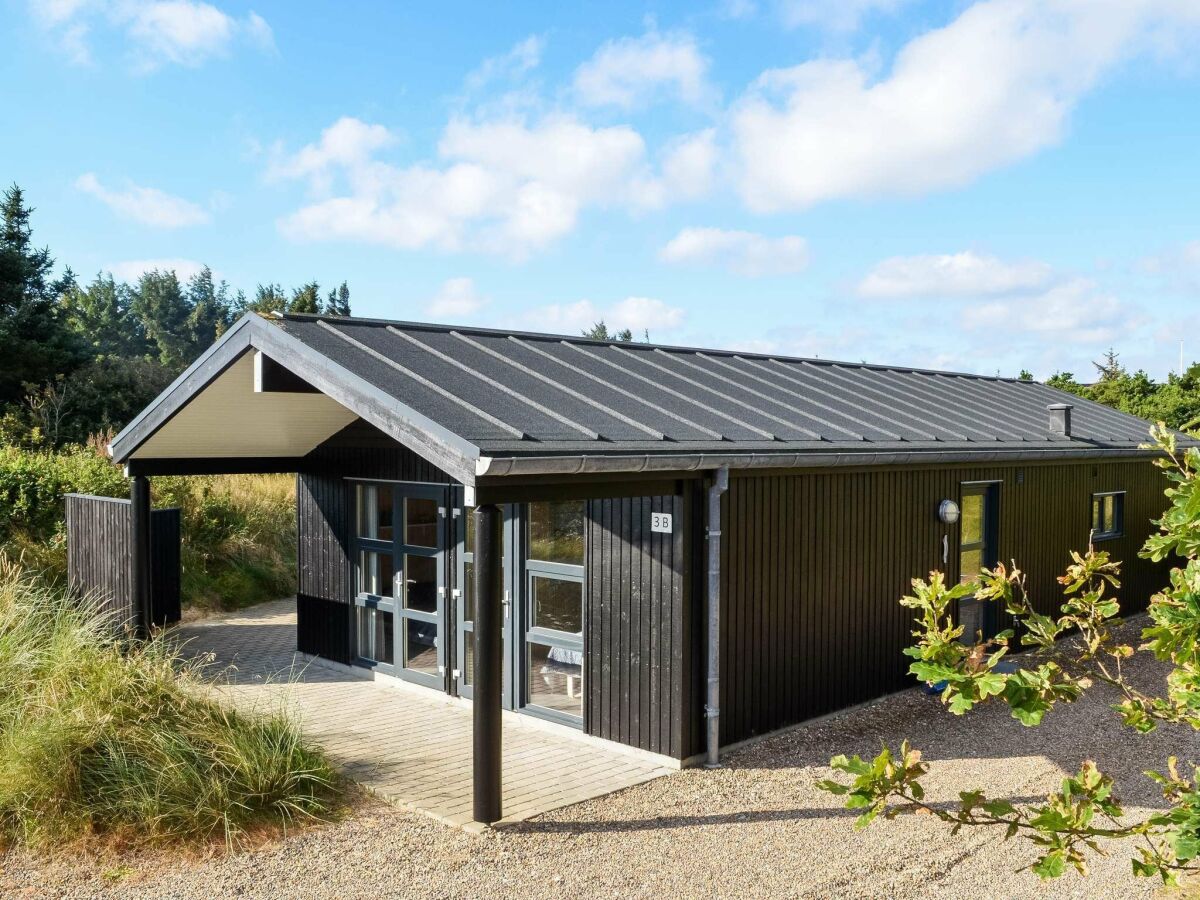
146,205
689,165
133,269
504,186
737,9
258,31
184,32
180,31
966,274
638,314
1180,265
456,299
743,252
994,86
57,12
833,15
631,72
525,56
348,143
1076,311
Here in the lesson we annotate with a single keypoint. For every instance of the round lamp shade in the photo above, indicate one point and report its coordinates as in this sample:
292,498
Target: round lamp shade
948,511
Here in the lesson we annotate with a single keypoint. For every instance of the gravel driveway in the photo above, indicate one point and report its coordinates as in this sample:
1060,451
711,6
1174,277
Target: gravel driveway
758,827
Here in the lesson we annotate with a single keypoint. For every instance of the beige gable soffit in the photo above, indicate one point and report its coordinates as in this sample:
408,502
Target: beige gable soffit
229,419
425,437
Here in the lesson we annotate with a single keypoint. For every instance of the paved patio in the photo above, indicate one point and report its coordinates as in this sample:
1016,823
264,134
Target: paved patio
407,744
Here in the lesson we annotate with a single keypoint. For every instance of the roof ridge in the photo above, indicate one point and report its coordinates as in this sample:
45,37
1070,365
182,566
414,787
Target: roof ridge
631,345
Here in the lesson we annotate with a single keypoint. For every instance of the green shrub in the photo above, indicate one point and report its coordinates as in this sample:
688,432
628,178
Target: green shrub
100,740
33,483
238,531
239,536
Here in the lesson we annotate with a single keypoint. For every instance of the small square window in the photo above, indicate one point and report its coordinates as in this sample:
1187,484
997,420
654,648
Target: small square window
1108,515
556,532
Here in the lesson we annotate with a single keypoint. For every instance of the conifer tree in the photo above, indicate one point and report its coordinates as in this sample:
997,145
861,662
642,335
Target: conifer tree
211,311
159,302
35,344
306,299
338,301
102,316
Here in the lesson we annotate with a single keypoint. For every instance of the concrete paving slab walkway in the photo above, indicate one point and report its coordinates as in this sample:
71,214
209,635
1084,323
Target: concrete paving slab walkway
408,744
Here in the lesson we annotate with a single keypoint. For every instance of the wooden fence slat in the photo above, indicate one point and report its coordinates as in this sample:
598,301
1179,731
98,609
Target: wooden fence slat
99,557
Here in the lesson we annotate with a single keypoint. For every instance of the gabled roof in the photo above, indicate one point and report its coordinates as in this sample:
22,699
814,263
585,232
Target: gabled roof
485,402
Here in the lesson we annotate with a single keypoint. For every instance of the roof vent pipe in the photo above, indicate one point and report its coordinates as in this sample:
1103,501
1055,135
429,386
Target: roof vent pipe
712,712
1060,418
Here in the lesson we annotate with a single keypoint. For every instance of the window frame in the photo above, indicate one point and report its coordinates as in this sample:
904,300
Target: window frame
548,637
398,548
1118,523
988,544
364,599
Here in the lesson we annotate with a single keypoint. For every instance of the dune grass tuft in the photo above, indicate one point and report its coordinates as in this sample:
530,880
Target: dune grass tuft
103,740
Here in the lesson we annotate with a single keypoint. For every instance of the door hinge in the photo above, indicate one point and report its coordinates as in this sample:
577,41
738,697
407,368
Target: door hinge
441,591
441,670
455,593
442,511
456,673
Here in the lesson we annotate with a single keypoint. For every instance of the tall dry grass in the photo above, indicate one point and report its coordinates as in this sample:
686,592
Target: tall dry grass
122,742
238,531
239,536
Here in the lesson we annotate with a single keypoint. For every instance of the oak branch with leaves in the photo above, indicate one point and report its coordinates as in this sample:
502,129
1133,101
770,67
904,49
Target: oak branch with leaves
1084,810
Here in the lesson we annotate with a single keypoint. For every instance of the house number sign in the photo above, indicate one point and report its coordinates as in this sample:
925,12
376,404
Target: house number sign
660,522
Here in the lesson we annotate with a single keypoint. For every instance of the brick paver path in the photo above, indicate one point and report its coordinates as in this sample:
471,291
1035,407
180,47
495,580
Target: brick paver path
408,744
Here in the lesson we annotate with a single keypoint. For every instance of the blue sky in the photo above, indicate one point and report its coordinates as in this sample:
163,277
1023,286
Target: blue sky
978,186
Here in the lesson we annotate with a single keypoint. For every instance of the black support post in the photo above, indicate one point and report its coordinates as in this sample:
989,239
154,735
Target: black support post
489,661
139,524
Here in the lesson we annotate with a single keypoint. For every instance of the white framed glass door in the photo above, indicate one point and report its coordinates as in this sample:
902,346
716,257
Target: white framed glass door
464,600
400,579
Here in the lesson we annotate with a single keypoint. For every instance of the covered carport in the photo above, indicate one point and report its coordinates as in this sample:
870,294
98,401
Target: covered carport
260,401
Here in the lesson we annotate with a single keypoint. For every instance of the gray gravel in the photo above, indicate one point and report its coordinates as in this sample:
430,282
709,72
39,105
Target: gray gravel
758,827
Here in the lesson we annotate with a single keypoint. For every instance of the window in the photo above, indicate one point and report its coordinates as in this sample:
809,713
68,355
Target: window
554,608
376,581
397,546
976,551
465,595
1108,515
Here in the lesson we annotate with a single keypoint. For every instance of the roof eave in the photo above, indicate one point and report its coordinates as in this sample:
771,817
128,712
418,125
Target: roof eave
501,467
450,452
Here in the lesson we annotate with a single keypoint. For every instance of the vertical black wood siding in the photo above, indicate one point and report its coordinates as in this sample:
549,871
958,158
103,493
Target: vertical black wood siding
166,567
99,557
638,634
813,565
323,628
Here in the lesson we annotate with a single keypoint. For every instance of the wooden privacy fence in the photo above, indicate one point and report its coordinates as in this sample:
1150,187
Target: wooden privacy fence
100,557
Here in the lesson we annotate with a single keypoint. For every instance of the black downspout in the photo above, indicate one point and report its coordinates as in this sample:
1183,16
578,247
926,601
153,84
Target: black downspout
489,661
139,527
712,711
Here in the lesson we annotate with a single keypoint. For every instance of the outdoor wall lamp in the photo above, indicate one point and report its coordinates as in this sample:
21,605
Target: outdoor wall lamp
948,511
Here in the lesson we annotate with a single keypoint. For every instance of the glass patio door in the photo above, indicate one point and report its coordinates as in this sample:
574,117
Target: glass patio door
464,600
401,580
